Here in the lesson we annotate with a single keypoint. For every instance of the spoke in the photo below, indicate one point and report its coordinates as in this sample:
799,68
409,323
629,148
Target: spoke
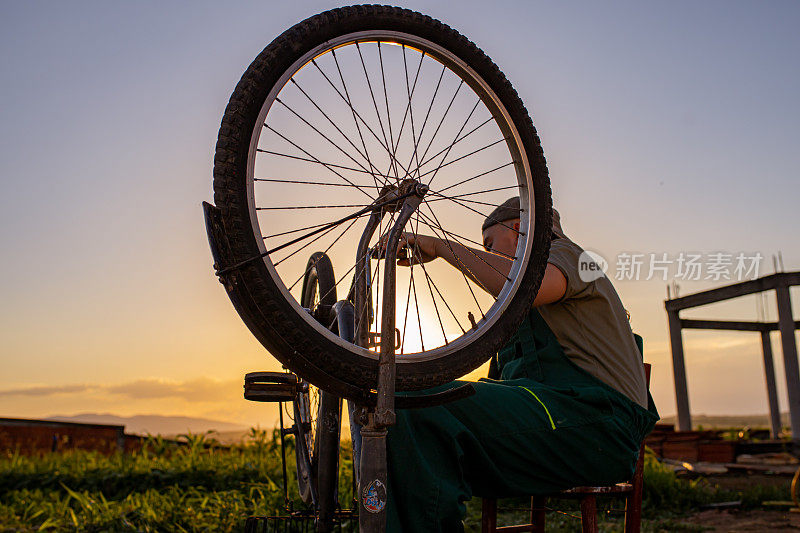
303,182
410,92
305,228
357,214
386,100
445,302
449,234
424,123
347,138
310,207
485,191
318,162
478,202
465,267
433,299
419,317
320,257
458,202
455,139
415,230
355,120
416,302
295,113
473,130
446,111
309,243
476,177
455,239
410,281
364,122
409,109
456,160
375,104
473,242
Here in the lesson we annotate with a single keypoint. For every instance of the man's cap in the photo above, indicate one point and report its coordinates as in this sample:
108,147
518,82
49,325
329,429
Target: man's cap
557,225
510,210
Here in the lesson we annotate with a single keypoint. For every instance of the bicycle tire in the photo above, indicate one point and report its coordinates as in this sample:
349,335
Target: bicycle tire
319,281
318,455
274,319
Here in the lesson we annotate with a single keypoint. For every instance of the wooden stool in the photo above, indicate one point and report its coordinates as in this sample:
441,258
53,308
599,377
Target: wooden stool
632,492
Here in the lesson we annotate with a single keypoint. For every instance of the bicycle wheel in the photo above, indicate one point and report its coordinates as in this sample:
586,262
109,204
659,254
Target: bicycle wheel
319,412
335,109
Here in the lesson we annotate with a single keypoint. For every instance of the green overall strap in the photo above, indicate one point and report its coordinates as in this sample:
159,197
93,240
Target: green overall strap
530,346
540,330
521,349
509,352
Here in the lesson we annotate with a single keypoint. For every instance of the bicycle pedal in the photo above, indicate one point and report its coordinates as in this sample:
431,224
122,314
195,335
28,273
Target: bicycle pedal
270,377
270,386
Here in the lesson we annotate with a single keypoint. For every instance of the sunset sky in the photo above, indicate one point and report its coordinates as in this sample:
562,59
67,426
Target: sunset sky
667,128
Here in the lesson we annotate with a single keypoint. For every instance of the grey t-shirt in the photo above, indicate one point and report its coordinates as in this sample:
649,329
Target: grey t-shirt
592,326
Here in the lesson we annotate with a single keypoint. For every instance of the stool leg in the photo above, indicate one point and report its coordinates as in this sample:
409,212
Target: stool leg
633,503
589,514
633,513
538,513
489,515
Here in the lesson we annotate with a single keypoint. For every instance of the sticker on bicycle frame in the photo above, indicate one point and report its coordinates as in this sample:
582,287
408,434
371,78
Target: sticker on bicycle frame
373,497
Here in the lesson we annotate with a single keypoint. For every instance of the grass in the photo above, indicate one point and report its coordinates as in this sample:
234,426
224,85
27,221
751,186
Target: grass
204,487
164,487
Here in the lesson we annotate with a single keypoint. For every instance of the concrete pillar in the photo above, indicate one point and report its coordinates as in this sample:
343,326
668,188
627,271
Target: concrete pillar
679,371
786,326
772,394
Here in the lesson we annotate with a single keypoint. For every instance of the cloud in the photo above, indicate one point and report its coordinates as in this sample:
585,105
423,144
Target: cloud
46,390
200,389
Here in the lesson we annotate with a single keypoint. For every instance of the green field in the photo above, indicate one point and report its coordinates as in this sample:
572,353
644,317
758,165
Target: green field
203,487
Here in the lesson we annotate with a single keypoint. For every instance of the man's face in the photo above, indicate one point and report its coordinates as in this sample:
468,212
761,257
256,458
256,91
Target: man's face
500,238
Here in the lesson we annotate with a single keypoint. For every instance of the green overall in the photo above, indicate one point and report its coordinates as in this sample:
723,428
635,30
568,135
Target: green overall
546,425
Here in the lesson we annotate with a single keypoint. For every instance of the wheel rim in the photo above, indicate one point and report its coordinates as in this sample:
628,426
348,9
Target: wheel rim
446,328
304,447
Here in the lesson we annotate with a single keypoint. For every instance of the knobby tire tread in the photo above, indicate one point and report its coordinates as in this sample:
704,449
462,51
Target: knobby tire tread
270,317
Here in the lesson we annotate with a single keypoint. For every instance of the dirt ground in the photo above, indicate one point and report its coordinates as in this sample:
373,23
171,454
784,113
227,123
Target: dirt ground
735,521
730,520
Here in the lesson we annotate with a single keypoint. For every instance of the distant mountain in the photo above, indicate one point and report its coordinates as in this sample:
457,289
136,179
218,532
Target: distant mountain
154,424
728,421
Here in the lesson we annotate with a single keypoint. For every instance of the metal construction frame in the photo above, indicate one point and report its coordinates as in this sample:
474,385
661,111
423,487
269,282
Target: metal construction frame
780,283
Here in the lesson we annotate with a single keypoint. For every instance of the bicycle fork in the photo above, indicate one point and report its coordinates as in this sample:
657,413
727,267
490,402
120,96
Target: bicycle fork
372,486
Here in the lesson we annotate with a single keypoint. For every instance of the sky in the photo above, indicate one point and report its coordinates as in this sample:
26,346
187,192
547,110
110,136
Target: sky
667,128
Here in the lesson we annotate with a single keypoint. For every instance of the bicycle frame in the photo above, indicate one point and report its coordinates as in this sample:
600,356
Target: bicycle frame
374,412
376,421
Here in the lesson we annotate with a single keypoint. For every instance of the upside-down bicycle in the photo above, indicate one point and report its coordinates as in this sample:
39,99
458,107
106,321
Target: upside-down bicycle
385,120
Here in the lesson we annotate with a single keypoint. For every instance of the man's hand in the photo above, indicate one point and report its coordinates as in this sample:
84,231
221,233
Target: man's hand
411,248
489,270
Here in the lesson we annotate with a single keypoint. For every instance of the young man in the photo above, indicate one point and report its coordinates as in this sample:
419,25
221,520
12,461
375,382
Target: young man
570,406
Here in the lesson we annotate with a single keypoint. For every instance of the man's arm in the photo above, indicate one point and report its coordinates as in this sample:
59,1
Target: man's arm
488,270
